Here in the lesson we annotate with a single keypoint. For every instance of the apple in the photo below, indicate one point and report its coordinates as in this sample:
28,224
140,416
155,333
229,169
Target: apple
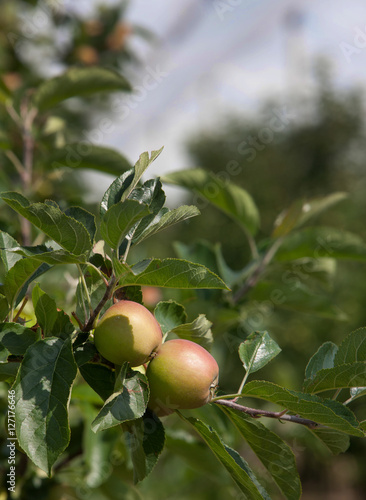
127,332
182,375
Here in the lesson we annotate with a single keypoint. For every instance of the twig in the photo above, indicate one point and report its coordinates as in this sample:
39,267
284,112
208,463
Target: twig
107,295
25,300
280,415
252,281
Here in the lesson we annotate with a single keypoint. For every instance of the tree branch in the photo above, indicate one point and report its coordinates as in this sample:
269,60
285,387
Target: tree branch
281,415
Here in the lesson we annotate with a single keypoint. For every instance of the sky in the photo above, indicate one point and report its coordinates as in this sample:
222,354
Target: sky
212,58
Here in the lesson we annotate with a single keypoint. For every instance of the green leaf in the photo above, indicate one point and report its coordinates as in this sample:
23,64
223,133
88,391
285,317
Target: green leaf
78,82
276,456
335,441
66,231
145,438
119,219
288,219
169,314
322,242
4,308
84,155
323,358
237,467
86,218
101,378
316,206
52,321
49,256
167,219
17,338
141,165
19,276
347,375
7,256
198,331
8,371
128,404
323,411
302,211
258,350
352,349
115,191
171,273
226,196
42,393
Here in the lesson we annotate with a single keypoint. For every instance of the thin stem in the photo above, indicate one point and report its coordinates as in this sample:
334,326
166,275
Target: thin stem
252,281
25,300
129,241
99,272
240,390
255,413
252,244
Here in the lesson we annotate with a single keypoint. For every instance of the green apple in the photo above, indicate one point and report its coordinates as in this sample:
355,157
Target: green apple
128,332
182,375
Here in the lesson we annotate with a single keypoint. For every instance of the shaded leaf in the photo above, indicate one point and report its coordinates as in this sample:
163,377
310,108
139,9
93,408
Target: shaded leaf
19,276
42,393
7,255
53,322
226,196
78,82
322,242
84,155
347,375
335,441
276,456
237,467
127,404
17,338
145,438
101,378
8,371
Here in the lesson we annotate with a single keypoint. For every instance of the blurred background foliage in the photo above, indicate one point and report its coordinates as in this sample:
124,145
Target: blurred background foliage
309,149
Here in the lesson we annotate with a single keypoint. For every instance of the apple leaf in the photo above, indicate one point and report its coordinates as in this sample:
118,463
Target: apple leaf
198,331
322,242
169,314
353,348
7,255
258,350
127,404
237,467
327,412
78,82
8,371
276,456
101,378
17,338
89,156
228,197
69,233
145,439
53,322
323,358
119,219
42,394
171,273
336,442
